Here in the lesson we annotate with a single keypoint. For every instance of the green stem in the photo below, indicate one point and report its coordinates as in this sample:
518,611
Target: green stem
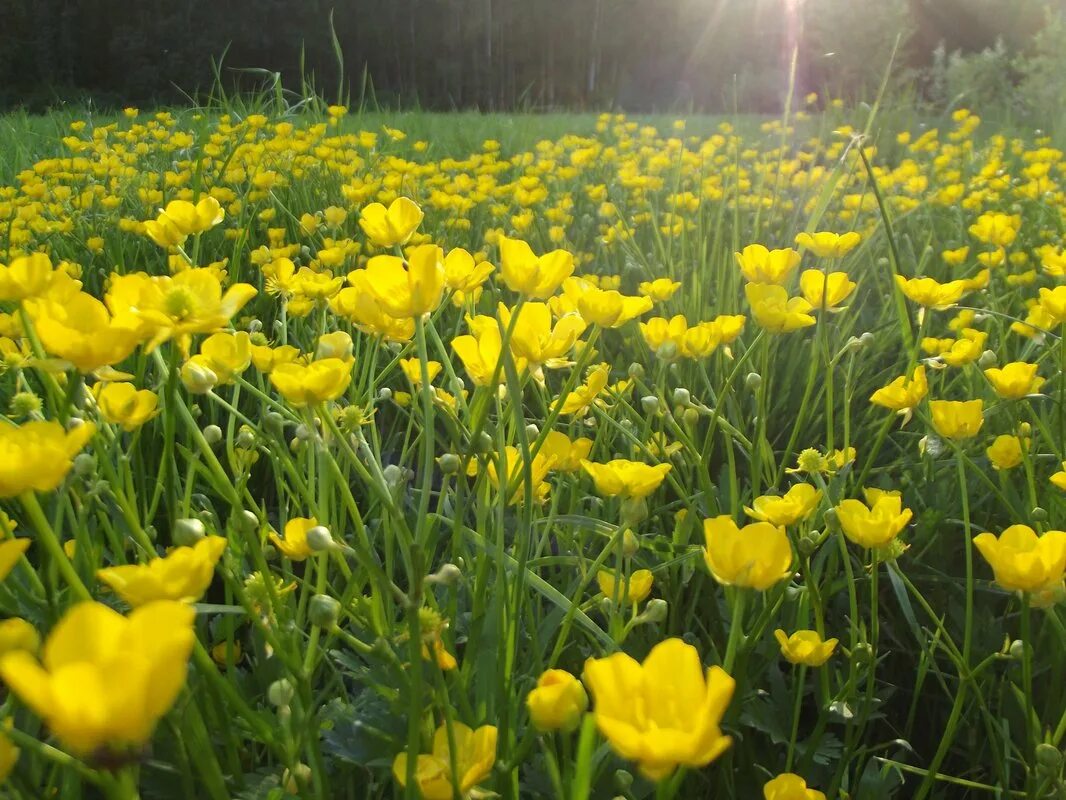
48,539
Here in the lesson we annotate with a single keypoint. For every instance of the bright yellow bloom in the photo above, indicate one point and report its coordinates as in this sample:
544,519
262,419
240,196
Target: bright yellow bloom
626,479
955,419
805,647
903,394
579,400
930,293
475,754
761,265
659,290
558,701
663,713
633,592
80,330
124,404
266,358
392,226
294,546
163,307
1059,478
1015,380
611,309
225,354
826,244
876,522
181,218
412,370
17,634
182,575
1053,304
825,289
567,455
105,680
462,274
775,311
11,550
480,354
788,786
966,349
537,277
756,556
514,467
1023,561
405,289
996,229
1006,452
38,455
26,276
788,509
361,307
535,340
955,257
314,383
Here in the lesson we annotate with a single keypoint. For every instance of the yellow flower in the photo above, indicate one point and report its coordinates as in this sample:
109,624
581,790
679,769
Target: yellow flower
955,419
659,290
930,293
11,550
185,218
266,358
566,455
1015,380
17,634
1059,478
792,507
1053,304
825,289
533,337
123,404
775,311
412,370
761,265
106,680
826,244
405,289
996,229
626,479
876,522
1005,452
480,354
9,754
788,786
611,309
225,354
294,546
955,257
80,330
164,306
903,393
514,467
474,756
27,276
579,400
537,277
182,575
663,713
805,647
38,455
360,306
314,383
635,590
392,226
1023,561
462,273
966,349
558,701
756,556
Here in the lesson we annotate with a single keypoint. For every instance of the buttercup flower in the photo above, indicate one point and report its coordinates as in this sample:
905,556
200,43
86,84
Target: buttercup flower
558,701
826,244
825,289
1015,380
805,647
314,383
930,293
105,680
756,556
788,509
954,419
876,522
626,479
80,330
537,277
294,546
124,404
659,290
182,575
1005,452
1023,561
475,753
610,309
664,713
38,455
11,550
404,289
633,592
775,311
392,226
761,265
788,786
26,276
903,394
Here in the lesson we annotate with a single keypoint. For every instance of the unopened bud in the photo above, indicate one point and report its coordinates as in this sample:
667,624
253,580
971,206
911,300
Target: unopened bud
245,438
635,371
634,511
483,443
447,575
630,543
319,538
650,404
303,432
623,779
1049,757
667,351
655,611
1017,649
280,693
395,476
245,520
188,531
862,653
532,431
84,465
867,338
274,422
384,393
690,416
323,611
197,378
682,397
449,463
753,381
1039,514
988,359
212,434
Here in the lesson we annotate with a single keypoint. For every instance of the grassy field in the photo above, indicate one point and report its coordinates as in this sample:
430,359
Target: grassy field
564,456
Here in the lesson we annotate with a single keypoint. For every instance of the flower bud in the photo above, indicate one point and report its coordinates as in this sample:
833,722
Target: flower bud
280,693
1049,758
447,575
303,432
483,443
867,339
1039,514
667,351
690,416
630,543
245,438
558,701
862,653
212,434
319,539
255,326
334,345
808,543
323,611
274,422
384,394
753,381
635,371
395,476
682,397
1017,649
245,520
650,404
301,774
655,611
449,463
84,465
634,511
623,779
197,378
988,359
532,432
187,531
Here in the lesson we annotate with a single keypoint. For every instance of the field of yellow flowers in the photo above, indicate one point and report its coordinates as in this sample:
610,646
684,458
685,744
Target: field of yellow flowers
637,462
